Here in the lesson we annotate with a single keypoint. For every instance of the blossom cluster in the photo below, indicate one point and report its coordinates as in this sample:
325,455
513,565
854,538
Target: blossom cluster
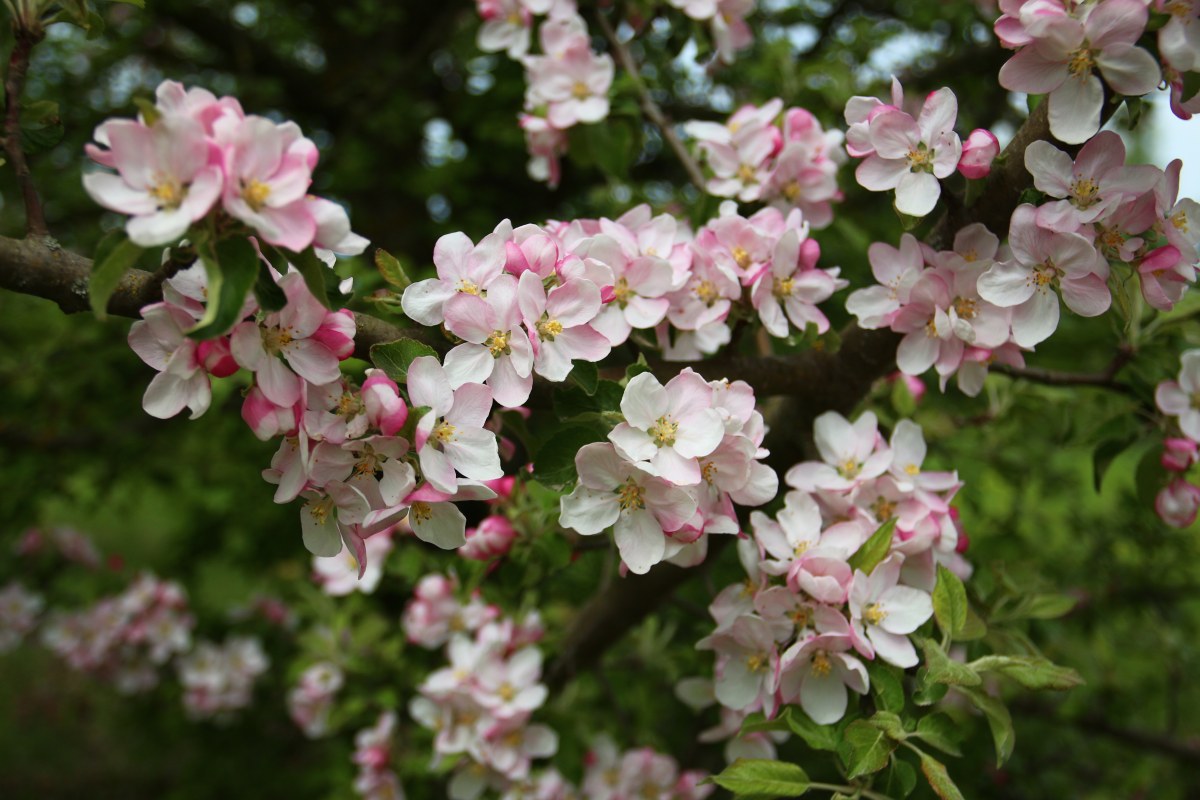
911,155
964,308
527,301
672,471
19,612
798,630
218,679
68,543
127,637
1179,501
434,614
480,705
1061,46
610,774
765,154
311,699
373,755
727,19
193,154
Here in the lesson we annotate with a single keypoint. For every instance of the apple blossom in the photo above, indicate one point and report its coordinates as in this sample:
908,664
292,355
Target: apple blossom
1178,503
978,152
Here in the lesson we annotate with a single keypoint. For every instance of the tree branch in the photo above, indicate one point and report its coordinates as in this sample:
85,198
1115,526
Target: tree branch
1105,379
14,88
650,108
1185,750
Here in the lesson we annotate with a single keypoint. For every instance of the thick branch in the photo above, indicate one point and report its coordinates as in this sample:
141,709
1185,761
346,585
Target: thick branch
14,88
1105,379
650,108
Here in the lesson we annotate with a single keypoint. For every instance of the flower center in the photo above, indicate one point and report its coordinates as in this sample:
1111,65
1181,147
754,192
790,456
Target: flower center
420,512
549,328
506,692
800,549
707,291
920,159
849,468
467,287
368,461
746,174
1044,274
444,432
782,288
931,329
664,432
621,291
1084,193
800,617
580,91
821,665
275,339
742,257
320,510
169,194
757,662
791,191
348,405
497,344
1180,221
255,193
883,509
708,472
965,307
630,496
1080,63
874,614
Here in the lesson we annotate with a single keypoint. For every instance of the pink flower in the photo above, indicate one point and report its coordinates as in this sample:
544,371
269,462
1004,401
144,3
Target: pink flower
1181,398
792,287
450,436
817,672
1178,503
497,350
462,267
911,155
268,170
747,664
1041,260
1180,454
546,145
897,271
978,152
668,426
851,454
340,575
883,613
1063,53
268,420
159,339
384,406
1179,39
640,507
558,324
165,177
574,85
291,333
491,539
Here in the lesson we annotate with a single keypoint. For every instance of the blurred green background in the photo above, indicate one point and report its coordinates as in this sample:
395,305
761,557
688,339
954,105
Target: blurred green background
418,135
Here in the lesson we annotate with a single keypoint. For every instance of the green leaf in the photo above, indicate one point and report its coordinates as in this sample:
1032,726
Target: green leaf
975,628
148,110
818,737
886,686
267,291
394,357
901,779
236,270
391,270
938,730
928,692
999,720
902,399
890,724
949,602
1031,672
757,722
138,3
554,462
943,669
636,368
1043,606
586,375
939,779
115,254
761,779
315,273
875,549
865,748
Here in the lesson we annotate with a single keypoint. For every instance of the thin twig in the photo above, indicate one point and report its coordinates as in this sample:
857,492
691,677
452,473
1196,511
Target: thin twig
14,87
1105,379
650,108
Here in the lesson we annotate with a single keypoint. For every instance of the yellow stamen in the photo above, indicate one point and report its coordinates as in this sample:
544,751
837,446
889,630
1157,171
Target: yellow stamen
874,614
497,344
757,662
849,468
708,471
549,328
1084,193
630,496
580,91
746,174
965,307
707,291
420,512
255,193
444,432
467,287
782,288
1080,63
821,665
742,258
169,194
621,291
664,432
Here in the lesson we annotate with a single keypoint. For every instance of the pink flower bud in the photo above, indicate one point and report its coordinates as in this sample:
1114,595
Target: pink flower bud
216,357
386,410
978,152
337,333
493,538
1179,454
503,487
266,419
1178,503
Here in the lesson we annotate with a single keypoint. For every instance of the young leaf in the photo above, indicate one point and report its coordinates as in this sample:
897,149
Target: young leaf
554,463
890,724
1043,606
114,255
1030,671
391,270
236,268
865,748
818,737
394,357
761,779
939,779
999,720
875,549
586,376
943,669
939,731
267,291
886,686
949,602
901,779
